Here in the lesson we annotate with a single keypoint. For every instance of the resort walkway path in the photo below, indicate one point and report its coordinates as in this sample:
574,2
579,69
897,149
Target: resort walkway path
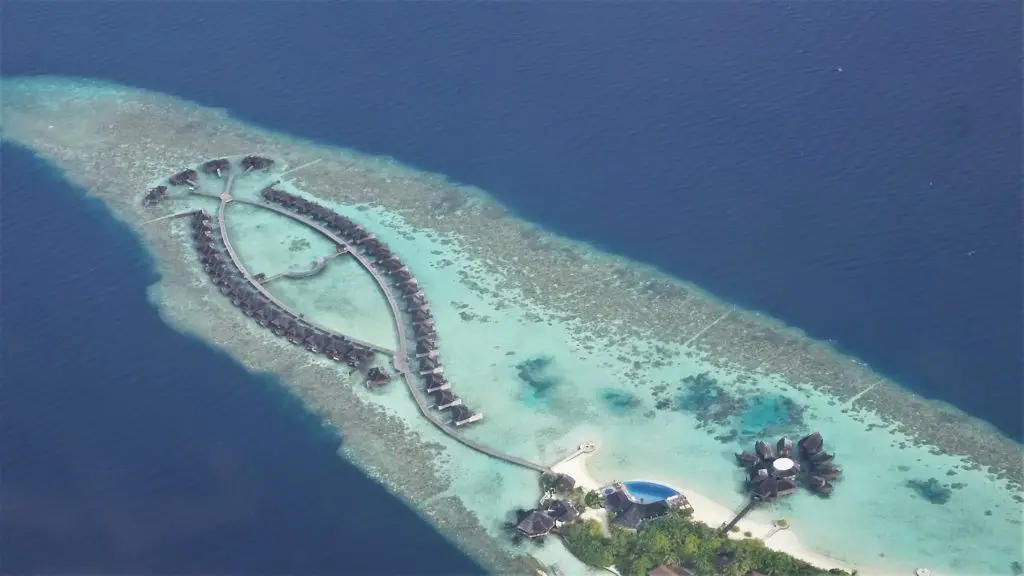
225,199
399,358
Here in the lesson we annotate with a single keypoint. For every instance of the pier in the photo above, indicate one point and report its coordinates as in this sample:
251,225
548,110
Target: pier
400,357
317,268
225,199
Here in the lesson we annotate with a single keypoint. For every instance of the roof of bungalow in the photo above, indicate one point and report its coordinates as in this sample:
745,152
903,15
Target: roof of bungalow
461,412
536,523
637,514
443,397
617,501
562,511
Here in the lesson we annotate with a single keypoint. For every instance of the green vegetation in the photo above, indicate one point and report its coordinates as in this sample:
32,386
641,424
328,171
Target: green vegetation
676,539
592,499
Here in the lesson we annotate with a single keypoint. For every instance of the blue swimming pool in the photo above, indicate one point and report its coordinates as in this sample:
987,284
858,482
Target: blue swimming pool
648,491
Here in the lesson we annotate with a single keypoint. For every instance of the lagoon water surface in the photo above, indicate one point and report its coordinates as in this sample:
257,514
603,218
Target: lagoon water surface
661,381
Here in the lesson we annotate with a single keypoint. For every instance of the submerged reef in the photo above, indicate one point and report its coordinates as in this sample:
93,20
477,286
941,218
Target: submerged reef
619,401
537,374
931,490
116,141
731,414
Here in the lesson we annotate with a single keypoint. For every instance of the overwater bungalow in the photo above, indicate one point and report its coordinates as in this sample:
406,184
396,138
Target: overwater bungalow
437,383
445,399
340,223
154,195
218,167
272,194
406,281
819,485
361,239
425,347
764,450
420,316
430,365
336,348
205,247
462,416
262,314
827,470
294,333
185,177
747,459
357,355
424,331
378,249
250,163
822,456
316,342
377,377
810,445
279,322
415,301
784,447
536,524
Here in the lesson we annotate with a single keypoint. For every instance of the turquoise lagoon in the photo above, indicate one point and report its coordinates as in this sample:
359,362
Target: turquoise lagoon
528,339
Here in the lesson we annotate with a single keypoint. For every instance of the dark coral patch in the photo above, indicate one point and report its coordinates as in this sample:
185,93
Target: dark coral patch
538,376
619,401
931,490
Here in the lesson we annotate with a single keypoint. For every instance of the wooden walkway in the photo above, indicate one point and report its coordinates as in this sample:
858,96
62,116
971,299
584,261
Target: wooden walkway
399,358
225,199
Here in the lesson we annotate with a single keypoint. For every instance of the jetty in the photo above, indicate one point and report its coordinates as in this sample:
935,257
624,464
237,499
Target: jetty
318,338
226,198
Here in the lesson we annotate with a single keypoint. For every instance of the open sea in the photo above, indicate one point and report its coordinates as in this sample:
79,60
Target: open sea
850,168
130,448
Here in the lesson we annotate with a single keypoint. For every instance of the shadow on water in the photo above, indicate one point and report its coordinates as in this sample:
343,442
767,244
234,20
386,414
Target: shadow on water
130,448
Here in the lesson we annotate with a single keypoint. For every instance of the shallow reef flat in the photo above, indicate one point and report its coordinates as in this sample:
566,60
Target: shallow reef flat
554,341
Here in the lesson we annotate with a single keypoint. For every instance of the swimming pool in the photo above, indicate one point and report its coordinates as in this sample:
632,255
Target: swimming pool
648,491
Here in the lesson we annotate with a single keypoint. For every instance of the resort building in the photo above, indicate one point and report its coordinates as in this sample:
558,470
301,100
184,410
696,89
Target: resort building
536,524
217,167
250,163
446,399
462,416
185,177
561,511
154,195
377,377
437,382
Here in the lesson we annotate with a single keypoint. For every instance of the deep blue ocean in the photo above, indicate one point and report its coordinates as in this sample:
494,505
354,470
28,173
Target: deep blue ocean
129,448
851,168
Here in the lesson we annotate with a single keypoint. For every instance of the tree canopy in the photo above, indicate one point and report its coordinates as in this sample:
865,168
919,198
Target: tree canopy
677,539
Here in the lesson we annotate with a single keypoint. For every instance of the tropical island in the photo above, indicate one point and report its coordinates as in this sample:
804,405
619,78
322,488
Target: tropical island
677,544
647,528
353,272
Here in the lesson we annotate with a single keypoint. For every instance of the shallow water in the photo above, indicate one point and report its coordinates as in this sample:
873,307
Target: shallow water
527,341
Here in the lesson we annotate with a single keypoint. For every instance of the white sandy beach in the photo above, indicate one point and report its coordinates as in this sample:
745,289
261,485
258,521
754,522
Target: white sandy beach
714,514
